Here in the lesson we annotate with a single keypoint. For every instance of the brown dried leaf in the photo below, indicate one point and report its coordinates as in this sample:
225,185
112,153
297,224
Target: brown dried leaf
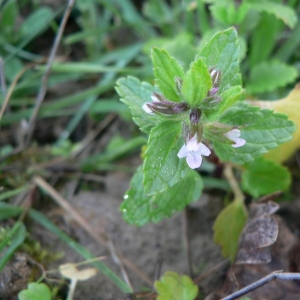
281,254
261,230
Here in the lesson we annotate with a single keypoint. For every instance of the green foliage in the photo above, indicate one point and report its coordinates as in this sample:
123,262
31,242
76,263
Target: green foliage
182,32
267,76
230,97
36,291
9,13
262,177
228,13
166,69
162,168
283,12
13,239
114,151
175,287
228,227
222,53
139,209
134,94
236,13
196,83
265,34
261,128
180,47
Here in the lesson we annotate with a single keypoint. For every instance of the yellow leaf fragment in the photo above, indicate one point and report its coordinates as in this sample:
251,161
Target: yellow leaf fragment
290,106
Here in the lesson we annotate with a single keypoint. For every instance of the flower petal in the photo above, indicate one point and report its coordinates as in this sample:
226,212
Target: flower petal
204,150
147,109
194,160
239,143
233,134
154,98
182,152
192,144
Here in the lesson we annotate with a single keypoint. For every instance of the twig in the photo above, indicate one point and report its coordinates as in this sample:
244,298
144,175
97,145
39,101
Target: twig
211,270
92,135
186,242
118,262
8,93
98,236
264,280
238,194
158,266
44,85
269,197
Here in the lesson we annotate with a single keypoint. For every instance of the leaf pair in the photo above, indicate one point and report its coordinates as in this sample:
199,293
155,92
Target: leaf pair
169,75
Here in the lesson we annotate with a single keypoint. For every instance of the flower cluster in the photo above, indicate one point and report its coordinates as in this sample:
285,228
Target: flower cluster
193,149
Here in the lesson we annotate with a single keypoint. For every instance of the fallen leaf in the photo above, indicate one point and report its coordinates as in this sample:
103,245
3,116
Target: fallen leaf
228,227
260,231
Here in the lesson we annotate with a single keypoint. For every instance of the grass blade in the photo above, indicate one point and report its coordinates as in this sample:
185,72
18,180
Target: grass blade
17,235
85,253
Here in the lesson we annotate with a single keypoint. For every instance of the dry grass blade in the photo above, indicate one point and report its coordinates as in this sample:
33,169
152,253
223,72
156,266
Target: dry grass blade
99,236
43,88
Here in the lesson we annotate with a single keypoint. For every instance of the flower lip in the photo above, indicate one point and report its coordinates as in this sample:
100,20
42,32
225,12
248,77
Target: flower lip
234,135
193,152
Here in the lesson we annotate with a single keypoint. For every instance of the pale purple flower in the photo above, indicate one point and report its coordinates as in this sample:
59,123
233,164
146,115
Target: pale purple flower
234,135
193,152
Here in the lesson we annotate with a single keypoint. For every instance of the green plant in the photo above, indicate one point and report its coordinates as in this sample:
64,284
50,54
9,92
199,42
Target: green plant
193,112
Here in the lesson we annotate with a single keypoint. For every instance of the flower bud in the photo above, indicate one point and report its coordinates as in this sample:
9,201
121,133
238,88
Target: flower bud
178,83
215,77
195,116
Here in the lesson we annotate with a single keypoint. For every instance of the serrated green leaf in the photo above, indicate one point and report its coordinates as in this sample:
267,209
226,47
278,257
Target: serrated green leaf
261,128
196,83
166,69
229,97
222,52
283,12
267,76
262,177
180,47
36,291
172,286
139,209
229,13
290,105
135,93
162,168
228,227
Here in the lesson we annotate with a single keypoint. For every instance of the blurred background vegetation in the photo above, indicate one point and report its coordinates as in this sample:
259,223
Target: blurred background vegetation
103,41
